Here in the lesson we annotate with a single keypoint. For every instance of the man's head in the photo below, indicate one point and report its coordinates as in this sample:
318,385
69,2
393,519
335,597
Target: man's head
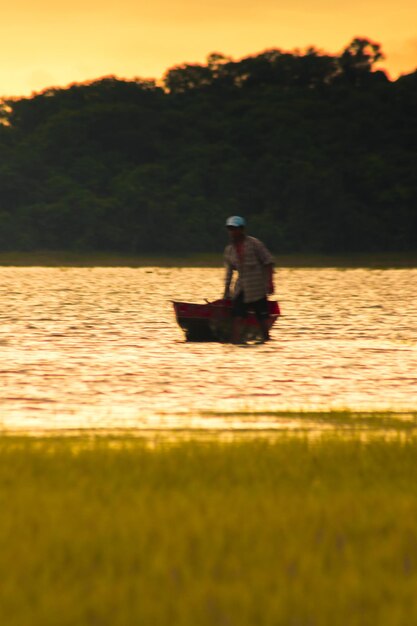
236,227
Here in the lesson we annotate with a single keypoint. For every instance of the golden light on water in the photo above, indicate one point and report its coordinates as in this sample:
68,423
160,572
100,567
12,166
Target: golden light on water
100,348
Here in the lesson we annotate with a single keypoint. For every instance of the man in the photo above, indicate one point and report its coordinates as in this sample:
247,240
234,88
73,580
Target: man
254,265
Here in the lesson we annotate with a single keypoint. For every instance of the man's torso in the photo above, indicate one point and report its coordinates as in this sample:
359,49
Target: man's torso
250,265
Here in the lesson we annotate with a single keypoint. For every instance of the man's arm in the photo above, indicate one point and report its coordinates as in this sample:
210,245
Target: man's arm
227,280
267,260
228,275
270,288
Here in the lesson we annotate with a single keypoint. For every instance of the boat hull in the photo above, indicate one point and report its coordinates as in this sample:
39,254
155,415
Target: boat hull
212,321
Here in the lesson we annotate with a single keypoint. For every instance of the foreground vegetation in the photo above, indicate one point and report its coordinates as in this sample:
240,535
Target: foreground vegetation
317,150
295,531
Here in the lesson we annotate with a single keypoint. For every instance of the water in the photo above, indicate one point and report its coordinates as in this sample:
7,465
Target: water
100,348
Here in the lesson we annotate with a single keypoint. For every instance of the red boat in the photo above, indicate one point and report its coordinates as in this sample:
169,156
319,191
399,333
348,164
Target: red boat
212,321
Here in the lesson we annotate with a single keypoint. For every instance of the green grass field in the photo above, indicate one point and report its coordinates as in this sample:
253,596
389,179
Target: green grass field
292,531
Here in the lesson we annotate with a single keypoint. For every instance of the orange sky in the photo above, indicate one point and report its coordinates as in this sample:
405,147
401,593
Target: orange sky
56,42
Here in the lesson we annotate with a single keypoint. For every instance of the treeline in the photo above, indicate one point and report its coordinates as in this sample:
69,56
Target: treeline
317,151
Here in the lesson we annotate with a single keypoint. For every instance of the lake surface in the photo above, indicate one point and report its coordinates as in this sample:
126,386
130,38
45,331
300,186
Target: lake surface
100,348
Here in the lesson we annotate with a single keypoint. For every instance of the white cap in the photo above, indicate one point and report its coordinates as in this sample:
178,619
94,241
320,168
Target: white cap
236,221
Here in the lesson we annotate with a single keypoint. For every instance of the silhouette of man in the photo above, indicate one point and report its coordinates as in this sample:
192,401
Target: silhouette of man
253,263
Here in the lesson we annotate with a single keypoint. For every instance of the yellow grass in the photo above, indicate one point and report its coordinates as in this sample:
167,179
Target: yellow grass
291,531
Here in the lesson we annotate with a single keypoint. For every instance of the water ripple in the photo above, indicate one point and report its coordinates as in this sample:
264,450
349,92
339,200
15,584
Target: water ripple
100,348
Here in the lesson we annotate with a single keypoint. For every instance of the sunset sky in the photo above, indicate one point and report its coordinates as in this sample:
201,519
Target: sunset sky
55,42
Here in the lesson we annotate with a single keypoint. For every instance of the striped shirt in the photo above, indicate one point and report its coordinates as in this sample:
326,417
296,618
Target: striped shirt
252,276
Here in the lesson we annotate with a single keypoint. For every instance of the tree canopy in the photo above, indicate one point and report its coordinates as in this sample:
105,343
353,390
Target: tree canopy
317,151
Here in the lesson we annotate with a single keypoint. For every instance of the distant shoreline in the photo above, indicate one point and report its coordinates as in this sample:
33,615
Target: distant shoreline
96,259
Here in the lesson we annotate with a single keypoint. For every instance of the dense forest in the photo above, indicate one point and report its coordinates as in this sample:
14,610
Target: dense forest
317,151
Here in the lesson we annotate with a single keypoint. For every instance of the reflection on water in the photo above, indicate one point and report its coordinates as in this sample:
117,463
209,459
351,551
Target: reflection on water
100,348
